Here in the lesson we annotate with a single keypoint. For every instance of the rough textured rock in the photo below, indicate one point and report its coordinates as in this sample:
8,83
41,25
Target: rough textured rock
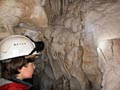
109,62
29,12
81,39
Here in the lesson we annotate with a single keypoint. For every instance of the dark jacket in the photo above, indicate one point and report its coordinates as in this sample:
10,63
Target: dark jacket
14,84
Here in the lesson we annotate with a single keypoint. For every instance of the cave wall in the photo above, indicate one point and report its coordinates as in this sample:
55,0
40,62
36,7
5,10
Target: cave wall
81,41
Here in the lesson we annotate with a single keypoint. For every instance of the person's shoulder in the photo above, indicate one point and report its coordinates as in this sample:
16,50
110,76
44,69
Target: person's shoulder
4,81
18,86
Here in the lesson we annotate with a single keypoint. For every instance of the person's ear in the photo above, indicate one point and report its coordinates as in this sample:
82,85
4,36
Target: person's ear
19,69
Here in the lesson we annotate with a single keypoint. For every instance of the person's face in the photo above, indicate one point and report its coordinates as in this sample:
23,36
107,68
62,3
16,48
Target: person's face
26,71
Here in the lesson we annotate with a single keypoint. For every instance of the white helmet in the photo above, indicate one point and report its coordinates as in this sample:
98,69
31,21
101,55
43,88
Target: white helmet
16,46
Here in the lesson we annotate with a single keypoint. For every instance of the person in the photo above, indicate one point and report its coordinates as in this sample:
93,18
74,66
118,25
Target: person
17,54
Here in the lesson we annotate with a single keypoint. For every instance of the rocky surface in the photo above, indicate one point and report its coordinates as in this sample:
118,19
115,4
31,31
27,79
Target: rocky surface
81,39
